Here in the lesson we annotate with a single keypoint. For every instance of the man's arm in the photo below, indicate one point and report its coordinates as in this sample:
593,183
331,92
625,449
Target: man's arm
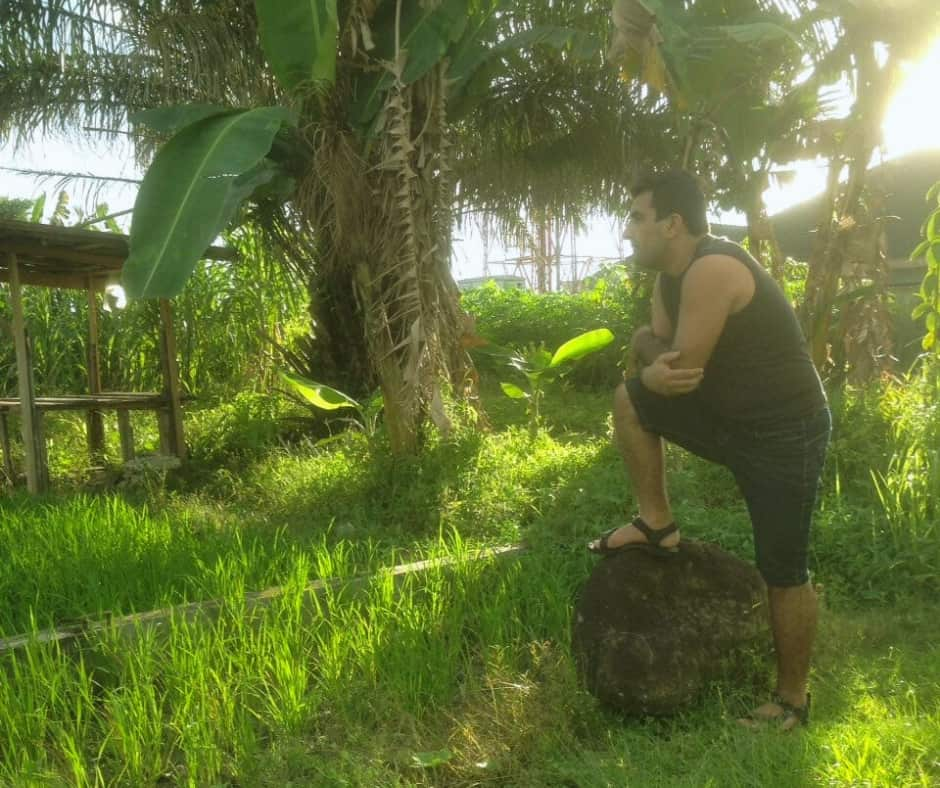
650,342
713,288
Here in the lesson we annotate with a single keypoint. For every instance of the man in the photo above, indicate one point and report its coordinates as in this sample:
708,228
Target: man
725,374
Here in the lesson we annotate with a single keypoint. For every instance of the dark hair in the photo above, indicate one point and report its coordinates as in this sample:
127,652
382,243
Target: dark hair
676,191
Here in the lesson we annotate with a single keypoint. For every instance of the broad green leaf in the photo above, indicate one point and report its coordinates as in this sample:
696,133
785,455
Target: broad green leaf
753,34
184,200
920,249
169,120
540,360
432,35
318,394
512,390
245,185
38,207
920,310
589,342
470,53
929,340
299,39
934,193
931,225
427,32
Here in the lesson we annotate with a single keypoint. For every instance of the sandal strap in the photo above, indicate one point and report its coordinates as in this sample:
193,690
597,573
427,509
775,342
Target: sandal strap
653,535
800,712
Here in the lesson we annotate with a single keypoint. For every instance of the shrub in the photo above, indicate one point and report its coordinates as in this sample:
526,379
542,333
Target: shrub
516,318
245,426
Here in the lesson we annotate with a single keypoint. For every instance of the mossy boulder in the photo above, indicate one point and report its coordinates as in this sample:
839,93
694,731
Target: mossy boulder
650,631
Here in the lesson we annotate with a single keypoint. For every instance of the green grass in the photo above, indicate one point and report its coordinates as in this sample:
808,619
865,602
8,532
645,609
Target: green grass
464,677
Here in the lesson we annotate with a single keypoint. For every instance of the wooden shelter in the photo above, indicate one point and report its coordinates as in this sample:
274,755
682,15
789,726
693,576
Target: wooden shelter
70,257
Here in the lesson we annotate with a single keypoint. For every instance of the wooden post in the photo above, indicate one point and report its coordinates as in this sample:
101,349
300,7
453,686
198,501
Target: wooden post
5,445
39,427
171,376
35,472
94,420
126,432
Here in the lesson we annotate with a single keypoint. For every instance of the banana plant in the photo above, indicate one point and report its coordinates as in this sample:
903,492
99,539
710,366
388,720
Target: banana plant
322,397
540,367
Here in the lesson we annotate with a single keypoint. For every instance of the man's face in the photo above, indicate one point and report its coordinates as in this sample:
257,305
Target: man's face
646,233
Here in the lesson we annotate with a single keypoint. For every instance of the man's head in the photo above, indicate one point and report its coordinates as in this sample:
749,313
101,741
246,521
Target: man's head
666,214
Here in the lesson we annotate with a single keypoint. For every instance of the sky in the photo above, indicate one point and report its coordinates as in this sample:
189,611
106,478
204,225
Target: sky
912,123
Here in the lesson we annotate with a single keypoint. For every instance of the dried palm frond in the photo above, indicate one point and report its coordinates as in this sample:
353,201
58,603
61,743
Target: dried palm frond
636,43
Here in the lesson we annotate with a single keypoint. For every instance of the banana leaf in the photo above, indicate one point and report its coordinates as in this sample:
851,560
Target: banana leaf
299,39
582,345
186,196
318,394
427,34
169,120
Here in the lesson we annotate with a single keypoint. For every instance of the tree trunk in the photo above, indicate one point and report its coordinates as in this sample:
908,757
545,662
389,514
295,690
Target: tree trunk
384,221
339,352
822,278
849,239
761,237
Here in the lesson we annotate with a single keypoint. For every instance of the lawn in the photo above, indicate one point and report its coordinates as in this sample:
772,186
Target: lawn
461,675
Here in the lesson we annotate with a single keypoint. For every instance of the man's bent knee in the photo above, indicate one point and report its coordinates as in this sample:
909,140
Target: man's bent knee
623,405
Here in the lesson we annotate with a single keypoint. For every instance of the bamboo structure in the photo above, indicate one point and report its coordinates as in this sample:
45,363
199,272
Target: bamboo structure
69,257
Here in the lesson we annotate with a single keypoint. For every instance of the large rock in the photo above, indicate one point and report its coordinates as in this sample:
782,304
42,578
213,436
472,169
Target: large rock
650,631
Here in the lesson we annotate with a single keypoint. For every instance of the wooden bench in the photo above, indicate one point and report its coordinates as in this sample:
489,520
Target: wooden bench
121,403
68,257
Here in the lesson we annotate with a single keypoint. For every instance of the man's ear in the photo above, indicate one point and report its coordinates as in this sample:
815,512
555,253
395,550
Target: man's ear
674,225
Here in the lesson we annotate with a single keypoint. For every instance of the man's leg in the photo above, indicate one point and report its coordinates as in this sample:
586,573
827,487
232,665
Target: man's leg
793,614
643,455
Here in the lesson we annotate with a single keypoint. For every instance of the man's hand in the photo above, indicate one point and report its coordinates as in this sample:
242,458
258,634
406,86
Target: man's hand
660,378
646,347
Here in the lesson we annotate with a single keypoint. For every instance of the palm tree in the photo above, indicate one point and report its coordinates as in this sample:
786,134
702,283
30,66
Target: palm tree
369,163
370,210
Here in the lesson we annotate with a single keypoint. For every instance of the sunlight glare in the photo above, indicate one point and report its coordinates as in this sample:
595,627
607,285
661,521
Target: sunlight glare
912,121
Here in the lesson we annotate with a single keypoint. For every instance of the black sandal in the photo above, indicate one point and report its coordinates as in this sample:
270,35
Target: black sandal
654,536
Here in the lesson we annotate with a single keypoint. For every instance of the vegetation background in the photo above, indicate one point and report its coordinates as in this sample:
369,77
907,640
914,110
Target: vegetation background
533,113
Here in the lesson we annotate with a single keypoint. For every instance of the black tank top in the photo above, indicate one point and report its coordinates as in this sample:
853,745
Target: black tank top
760,368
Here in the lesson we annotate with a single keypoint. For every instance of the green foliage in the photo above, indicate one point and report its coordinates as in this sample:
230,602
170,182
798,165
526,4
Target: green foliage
518,318
299,40
15,209
323,397
476,659
540,367
928,309
223,319
317,394
242,428
169,120
190,193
